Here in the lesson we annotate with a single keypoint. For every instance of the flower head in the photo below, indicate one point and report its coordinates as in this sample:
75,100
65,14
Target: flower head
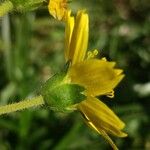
58,8
97,76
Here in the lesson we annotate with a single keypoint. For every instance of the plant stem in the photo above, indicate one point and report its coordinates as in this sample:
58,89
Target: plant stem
5,7
36,101
7,45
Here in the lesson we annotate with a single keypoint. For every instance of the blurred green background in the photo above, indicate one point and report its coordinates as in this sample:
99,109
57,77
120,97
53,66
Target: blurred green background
31,51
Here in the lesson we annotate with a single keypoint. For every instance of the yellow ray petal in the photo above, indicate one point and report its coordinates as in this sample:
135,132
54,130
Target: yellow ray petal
97,76
104,134
58,8
79,40
101,116
102,109
68,33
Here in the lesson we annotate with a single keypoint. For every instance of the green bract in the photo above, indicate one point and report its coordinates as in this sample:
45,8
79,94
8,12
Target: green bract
59,94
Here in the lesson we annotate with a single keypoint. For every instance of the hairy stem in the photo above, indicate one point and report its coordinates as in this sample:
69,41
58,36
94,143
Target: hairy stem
36,101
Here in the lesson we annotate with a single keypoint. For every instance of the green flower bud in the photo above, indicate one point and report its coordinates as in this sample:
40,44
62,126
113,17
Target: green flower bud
59,93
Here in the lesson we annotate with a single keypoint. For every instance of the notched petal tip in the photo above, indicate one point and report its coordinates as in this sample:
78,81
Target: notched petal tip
98,76
118,71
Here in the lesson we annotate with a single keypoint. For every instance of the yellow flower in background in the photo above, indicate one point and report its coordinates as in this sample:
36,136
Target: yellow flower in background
97,76
58,8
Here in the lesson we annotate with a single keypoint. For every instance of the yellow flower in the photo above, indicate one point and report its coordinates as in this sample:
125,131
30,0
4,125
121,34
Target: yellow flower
97,76
58,8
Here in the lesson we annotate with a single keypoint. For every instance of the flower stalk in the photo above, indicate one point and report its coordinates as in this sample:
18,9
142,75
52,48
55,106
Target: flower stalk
36,101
